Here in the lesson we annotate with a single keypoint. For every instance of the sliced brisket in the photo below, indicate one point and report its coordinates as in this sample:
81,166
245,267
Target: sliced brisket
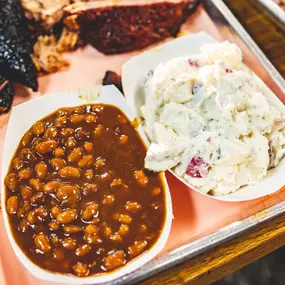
126,25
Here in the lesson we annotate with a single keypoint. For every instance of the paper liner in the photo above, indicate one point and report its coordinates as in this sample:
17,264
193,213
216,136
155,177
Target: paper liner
22,118
134,73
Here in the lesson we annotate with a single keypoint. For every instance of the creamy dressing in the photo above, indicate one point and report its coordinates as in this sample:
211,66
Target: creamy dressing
209,121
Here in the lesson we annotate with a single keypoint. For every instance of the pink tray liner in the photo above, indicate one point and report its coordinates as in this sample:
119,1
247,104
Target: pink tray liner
194,215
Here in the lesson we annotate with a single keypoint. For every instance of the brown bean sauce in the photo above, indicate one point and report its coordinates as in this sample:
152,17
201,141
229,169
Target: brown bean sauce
78,196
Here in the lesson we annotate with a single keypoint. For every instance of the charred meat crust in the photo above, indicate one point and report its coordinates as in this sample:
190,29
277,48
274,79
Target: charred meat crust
121,28
112,77
16,65
6,95
15,45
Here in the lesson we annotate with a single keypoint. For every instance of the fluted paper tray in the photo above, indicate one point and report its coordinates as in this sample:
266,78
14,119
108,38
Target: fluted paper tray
134,74
199,222
22,118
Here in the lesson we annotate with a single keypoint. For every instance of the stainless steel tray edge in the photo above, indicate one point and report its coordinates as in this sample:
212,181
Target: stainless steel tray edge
274,9
203,244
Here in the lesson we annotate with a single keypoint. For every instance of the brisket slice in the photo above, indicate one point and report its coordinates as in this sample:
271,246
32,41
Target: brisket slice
126,25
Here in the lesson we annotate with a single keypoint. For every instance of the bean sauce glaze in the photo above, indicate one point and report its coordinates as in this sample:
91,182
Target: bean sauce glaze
78,196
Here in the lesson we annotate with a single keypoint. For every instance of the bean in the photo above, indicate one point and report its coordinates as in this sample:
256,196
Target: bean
35,142
83,250
42,243
67,216
69,172
37,198
71,143
61,121
31,218
123,139
89,188
66,191
40,214
51,187
13,205
88,147
53,226
25,173
105,177
26,192
114,260
133,206
76,119
86,215
123,218
26,140
155,191
123,230
92,239
64,112
51,133
100,162
46,146
27,155
66,132
26,206
38,128
54,211
59,152
116,182
107,231
85,161
18,163
81,134
36,184
21,213
95,221
57,163
41,170
137,247
69,243
116,238
90,211
89,174
79,110
141,178
90,118
23,226
80,269
97,109
108,200
11,181
71,229
69,202
58,254
54,239
91,230
75,155
98,130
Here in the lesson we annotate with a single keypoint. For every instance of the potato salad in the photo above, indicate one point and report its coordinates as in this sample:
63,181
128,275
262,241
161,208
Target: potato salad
209,121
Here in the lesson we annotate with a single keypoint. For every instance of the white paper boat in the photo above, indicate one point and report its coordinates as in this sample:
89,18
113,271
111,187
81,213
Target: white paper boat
134,73
22,118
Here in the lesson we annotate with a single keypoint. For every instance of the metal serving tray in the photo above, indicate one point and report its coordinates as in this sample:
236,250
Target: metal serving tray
195,228
228,28
274,9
